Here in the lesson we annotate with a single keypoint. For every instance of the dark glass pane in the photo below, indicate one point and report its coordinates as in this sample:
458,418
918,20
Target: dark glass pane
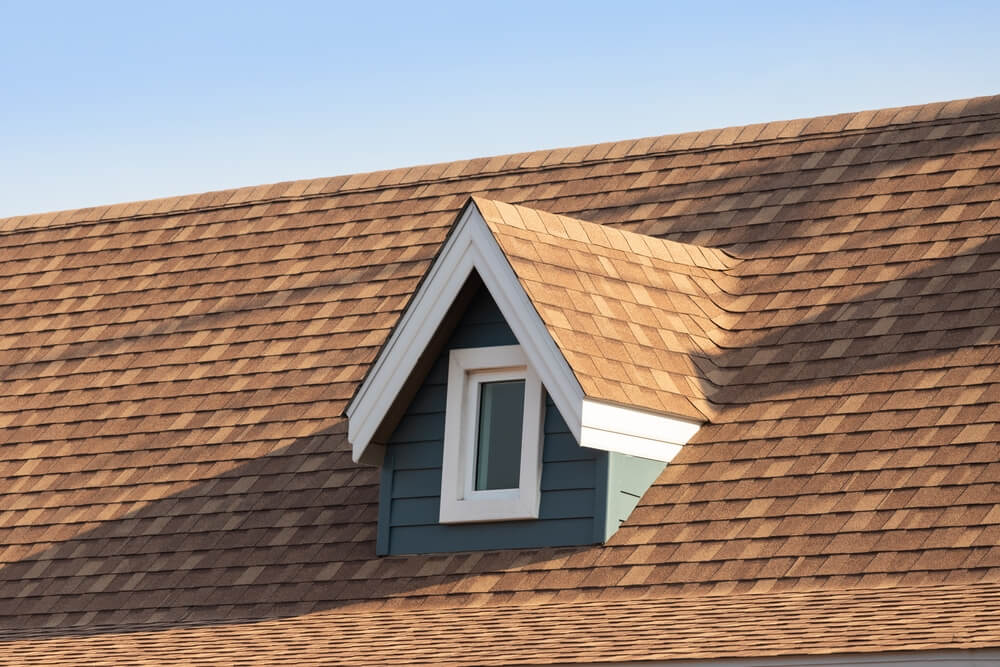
498,447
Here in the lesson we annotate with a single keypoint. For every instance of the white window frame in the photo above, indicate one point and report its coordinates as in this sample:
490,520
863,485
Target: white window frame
468,369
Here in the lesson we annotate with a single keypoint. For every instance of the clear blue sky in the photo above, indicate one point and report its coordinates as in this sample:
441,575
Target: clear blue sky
102,102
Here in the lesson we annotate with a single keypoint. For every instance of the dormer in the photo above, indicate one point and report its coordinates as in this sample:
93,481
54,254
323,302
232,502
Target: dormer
544,373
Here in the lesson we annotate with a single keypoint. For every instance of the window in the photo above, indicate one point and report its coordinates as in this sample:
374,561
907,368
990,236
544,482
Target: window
498,441
492,437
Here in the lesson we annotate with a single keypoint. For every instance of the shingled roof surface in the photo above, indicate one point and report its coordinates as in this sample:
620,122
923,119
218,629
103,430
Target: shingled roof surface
173,377
639,319
931,618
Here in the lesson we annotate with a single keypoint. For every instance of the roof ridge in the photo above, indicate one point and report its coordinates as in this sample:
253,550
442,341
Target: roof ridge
688,258
773,132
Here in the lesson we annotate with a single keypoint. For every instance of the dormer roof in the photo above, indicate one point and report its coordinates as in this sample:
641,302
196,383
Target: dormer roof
639,319
613,320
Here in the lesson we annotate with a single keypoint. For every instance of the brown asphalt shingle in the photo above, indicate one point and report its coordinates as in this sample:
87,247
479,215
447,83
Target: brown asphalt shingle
173,376
767,625
637,317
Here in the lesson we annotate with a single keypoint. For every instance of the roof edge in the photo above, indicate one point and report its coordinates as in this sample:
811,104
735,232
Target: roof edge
703,140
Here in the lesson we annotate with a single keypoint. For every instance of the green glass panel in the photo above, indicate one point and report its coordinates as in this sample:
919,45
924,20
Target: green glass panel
498,446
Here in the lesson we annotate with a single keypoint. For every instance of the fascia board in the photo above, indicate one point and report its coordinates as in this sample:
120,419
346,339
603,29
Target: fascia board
471,246
617,428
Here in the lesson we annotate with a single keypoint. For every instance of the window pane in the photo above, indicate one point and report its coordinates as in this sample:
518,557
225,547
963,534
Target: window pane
498,449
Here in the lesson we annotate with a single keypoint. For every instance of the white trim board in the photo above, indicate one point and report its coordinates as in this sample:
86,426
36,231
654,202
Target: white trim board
617,428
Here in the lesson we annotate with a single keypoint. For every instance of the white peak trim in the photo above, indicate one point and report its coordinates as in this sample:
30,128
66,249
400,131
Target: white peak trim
471,246
615,428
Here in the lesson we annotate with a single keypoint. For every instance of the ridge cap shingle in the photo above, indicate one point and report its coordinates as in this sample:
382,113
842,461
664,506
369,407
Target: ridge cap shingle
688,255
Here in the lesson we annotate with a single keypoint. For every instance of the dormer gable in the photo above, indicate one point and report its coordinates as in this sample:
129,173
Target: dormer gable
621,406
469,249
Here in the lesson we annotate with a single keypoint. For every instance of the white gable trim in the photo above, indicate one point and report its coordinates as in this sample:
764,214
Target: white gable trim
617,428
470,246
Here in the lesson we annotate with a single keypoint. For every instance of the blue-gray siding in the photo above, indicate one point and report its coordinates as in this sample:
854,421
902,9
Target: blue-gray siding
574,496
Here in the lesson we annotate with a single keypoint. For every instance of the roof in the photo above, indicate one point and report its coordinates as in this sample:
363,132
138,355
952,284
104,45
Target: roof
639,319
174,375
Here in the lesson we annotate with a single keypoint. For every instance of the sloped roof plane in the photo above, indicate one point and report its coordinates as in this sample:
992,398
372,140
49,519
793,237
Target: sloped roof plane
174,461
639,318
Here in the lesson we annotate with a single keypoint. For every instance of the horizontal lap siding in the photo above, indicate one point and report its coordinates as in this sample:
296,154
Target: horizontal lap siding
415,450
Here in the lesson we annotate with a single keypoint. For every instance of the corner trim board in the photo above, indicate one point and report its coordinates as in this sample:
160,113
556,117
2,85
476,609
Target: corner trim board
384,506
